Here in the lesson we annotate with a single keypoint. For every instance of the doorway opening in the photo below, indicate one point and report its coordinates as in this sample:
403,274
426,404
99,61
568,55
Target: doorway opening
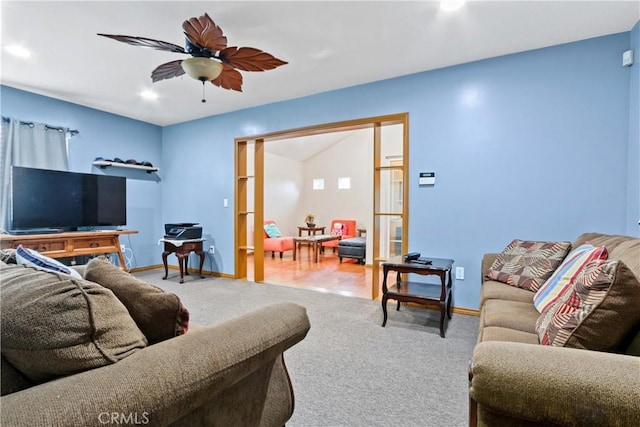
386,168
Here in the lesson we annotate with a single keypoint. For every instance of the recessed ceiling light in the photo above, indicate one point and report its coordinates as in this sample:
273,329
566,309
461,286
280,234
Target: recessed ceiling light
19,51
149,94
450,5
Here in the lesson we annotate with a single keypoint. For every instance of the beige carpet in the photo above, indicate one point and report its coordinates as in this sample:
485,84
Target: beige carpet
350,371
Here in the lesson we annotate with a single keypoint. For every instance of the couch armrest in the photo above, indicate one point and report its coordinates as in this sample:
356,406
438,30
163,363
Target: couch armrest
169,380
487,261
555,386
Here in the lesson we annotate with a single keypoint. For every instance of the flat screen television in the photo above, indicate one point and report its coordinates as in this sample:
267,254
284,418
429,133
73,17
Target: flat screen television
43,198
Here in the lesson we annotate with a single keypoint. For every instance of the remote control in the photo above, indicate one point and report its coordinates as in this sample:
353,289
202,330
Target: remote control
412,256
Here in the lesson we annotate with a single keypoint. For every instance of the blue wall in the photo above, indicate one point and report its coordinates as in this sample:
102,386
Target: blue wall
534,145
531,146
633,203
105,135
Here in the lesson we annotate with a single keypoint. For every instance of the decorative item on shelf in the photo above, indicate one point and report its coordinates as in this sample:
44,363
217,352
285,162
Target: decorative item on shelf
310,220
103,163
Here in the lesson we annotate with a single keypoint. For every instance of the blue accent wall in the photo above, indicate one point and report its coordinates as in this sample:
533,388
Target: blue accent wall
108,136
633,203
535,145
532,146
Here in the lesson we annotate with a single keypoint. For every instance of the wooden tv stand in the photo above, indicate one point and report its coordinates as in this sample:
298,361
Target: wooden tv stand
69,244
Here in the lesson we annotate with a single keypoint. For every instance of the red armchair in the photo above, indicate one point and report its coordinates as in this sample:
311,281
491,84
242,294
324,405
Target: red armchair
276,244
347,229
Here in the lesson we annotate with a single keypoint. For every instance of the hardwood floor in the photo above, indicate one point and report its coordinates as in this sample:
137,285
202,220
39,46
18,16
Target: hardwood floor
327,275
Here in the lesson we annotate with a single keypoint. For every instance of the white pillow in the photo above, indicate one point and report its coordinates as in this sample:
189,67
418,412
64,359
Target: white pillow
31,258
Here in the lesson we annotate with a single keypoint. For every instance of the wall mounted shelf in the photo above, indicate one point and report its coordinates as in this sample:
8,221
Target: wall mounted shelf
102,164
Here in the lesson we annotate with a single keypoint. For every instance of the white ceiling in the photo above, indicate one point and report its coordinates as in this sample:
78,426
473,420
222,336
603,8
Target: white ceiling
328,45
304,147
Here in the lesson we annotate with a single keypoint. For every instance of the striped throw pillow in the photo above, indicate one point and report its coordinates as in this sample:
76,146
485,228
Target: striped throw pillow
562,279
31,258
597,313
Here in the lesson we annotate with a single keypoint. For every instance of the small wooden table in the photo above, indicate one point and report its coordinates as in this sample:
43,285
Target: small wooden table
315,241
182,249
419,293
310,230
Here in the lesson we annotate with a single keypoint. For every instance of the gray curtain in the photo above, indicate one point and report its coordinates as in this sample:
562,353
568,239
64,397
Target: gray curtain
34,145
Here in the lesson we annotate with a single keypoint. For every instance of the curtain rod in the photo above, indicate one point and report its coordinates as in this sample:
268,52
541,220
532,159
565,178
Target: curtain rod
72,132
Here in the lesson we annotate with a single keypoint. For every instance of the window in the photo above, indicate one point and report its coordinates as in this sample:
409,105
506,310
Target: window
344,183
318,183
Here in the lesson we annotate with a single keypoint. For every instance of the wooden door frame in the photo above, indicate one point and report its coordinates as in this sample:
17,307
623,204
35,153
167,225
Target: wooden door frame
243,178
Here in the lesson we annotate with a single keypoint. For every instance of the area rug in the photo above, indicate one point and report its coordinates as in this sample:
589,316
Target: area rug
349,370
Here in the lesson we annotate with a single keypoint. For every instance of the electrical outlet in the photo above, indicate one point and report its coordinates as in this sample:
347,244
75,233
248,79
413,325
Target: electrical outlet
459,273
212,249
123,248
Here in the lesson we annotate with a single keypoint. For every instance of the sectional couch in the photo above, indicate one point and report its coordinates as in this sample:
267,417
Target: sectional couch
516,381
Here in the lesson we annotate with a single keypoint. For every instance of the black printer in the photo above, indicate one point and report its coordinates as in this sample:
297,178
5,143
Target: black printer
182,231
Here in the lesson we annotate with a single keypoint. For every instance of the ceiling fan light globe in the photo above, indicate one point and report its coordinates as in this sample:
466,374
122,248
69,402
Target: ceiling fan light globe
202,68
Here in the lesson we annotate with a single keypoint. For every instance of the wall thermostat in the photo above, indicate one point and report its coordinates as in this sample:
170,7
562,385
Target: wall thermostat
627,58
427,178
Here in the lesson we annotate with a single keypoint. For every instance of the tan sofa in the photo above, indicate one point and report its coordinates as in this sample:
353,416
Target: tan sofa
514,381
228,374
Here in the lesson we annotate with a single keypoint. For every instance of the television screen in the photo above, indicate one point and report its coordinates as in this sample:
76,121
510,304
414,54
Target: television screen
43,198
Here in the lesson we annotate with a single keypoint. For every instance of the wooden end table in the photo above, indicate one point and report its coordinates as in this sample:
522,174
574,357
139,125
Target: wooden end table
182,249
311,231
427,294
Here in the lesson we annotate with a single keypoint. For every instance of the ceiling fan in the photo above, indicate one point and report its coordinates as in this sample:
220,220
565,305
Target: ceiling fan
211,59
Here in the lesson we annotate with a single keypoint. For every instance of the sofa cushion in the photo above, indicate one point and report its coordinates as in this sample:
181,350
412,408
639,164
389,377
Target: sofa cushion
279,244
599,311
497,333
498,290
159,314
272,230
54,324
611,241
562,279
629,253
31,258
528,264
516,315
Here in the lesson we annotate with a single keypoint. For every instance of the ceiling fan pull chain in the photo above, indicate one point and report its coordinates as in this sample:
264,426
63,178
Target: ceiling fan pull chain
203,100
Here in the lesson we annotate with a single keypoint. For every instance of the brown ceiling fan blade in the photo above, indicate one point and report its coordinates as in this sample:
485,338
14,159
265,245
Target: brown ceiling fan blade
145,42
203,32
229,79
250,59
168,70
